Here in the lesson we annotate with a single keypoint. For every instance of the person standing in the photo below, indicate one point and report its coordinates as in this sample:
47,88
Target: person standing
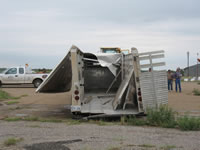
178,79
170,80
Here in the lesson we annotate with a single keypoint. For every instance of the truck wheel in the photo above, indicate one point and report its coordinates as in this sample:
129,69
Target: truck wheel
37,83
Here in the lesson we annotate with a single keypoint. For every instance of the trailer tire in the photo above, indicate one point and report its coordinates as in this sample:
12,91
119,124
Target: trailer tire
37,83
0,84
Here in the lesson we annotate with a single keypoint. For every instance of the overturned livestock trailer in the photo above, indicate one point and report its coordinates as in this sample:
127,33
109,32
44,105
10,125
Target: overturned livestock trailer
110,83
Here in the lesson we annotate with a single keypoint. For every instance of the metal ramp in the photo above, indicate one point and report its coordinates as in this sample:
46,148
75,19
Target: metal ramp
153,83
123,96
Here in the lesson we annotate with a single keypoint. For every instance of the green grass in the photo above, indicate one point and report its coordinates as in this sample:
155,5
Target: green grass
11,102
146,146
10,119
196,92
132,120
6,96
163,117
168,147
188,123
73,122
32,118
12,141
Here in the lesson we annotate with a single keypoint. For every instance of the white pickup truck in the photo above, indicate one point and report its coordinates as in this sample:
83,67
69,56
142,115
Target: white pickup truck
21,75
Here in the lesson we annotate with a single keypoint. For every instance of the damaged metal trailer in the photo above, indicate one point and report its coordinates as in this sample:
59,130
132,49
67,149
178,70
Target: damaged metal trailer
111,84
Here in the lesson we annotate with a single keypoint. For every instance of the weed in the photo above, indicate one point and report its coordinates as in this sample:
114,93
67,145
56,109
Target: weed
5,95
50,120
146,146
11,102
73,122
13,119
12,141
163,116
188,123
32,118
196,92
168,147
135,121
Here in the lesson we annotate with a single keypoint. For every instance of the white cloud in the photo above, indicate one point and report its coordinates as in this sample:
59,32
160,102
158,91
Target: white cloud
46,32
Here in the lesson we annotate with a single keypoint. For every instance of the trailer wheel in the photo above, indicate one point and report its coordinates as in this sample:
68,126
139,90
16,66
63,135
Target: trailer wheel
0,84
37,83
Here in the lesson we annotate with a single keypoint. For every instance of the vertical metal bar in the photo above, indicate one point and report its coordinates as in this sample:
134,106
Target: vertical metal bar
137,71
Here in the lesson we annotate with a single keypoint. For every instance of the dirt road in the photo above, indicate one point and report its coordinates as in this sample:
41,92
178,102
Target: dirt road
60,136
185,102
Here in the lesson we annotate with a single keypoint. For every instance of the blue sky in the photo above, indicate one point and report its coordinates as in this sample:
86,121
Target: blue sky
40,32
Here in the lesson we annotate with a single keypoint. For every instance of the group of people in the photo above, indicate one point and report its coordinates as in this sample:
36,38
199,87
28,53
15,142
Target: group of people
174,76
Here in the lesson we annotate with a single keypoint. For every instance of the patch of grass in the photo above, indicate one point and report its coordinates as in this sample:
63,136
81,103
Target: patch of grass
13,119
163,117
188,123
32,118
168,147
11,102
135,121
196,92
12,141
146,146
73,122
50,120
5,95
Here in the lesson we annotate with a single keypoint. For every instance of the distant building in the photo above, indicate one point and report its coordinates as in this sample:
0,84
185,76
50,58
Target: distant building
192,71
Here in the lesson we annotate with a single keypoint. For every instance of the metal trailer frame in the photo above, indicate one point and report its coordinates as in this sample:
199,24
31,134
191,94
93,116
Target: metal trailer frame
148,89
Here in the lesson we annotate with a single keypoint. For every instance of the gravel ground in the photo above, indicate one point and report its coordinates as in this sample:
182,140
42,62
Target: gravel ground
60,136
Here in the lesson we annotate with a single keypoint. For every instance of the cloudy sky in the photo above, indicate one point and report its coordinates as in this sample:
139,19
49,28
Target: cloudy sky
40,32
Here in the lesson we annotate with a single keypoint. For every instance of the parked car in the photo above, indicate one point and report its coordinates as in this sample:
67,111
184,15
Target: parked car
21,75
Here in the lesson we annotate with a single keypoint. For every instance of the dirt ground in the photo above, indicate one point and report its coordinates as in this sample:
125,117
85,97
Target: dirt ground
185,102
53,136
41,104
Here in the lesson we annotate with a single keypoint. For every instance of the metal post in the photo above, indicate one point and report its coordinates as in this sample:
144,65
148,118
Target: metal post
197,66
188,62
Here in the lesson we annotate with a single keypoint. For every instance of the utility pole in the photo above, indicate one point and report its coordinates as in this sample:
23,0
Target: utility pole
188,63
197,66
